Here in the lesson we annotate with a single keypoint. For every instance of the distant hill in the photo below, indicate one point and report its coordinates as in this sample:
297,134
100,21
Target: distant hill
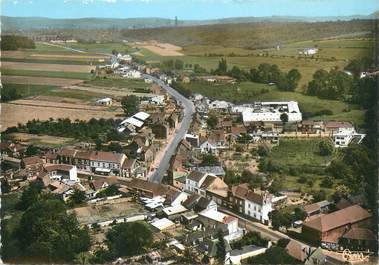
37,23
251,35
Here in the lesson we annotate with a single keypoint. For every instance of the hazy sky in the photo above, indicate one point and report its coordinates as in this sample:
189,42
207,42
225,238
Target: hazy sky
185,9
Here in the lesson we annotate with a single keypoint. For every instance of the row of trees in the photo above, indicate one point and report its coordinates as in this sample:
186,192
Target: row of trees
330,85
265,73
13,42
339,85
82,130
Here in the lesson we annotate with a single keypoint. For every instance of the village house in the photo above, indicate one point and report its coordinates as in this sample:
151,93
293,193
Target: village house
332,127
251,203
214,219
104,101
99,162
213,143
358,239
131,168
328,229
148,189
206,185
198,203
62,172
317,208
15,150
217,79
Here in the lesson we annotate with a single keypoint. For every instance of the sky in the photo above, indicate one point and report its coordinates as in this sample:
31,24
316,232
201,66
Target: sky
185,9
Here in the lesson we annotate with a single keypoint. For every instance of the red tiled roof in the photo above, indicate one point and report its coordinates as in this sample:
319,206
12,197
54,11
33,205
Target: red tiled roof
208,181
32,160
360,234
349,215
106,156
338,124
128,163
196,176
67,152
227,219
62,167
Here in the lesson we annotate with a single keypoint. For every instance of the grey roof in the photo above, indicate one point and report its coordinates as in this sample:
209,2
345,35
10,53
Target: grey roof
244,250
196,176
215,170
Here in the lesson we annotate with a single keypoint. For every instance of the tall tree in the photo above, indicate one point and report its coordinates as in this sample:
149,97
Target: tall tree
128,239
130,105
47,231
220,248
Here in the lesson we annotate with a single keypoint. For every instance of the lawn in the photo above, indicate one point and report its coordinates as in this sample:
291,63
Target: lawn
69,75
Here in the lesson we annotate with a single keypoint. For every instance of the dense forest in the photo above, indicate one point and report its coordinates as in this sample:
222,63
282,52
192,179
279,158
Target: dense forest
250,35
13,42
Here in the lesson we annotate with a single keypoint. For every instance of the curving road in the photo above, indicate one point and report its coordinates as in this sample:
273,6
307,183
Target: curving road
188,111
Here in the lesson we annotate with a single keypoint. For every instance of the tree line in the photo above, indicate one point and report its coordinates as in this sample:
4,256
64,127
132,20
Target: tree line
265,73
78,129
13,42
344,85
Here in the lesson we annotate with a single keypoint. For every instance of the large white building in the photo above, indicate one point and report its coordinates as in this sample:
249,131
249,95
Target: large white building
272,112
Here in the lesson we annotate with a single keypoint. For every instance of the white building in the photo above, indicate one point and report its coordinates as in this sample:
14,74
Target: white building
272,112
124,58
60,172
217,220
220,105
309,51
157,100
237,255
106,162
133,74
104,101
194,181
258,205
344,136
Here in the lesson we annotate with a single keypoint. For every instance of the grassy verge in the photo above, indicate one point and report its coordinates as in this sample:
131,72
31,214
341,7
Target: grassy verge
69,75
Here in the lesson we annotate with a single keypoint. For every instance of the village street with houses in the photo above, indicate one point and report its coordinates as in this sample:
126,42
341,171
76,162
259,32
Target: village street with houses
177,175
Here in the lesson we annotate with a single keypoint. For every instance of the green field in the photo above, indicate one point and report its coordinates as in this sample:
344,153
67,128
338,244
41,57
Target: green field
298,153
333,53
247,92
295,158
69,75
99,47
44,61
53,91
119,83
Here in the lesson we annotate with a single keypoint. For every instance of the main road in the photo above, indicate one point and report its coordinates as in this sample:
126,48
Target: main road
188,111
